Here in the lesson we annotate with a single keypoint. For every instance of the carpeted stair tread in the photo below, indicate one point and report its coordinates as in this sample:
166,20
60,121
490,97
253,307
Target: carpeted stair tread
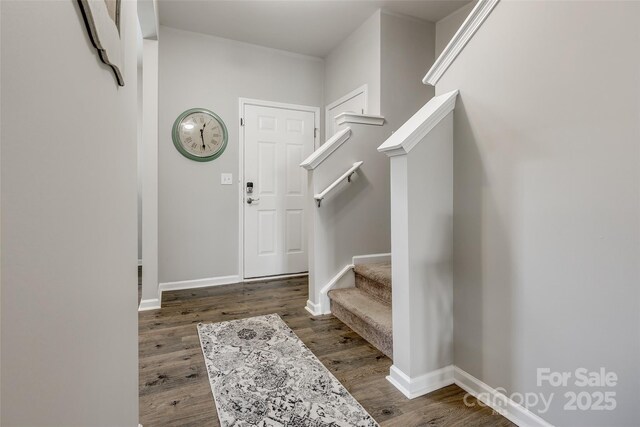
378,271
366,315
375,278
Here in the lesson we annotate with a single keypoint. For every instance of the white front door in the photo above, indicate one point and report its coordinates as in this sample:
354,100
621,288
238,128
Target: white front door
276,141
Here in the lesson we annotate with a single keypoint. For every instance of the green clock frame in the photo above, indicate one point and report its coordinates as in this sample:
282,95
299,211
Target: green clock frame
176,136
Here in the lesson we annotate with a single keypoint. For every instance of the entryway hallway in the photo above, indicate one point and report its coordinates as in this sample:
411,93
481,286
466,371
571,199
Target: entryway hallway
175,390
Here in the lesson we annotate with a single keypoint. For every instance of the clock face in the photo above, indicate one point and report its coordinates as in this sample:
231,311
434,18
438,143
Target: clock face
200,135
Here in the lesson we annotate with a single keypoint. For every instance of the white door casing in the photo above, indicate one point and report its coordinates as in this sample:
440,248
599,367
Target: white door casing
353,102
276,140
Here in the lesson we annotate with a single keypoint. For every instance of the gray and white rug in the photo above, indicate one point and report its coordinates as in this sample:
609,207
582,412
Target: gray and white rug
261,374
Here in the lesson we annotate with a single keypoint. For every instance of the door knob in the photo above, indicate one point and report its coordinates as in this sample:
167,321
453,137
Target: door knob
251,200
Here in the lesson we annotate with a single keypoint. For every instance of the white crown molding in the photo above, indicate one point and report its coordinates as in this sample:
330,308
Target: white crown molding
419,125
149,304
363,119
468,28
321,154
497,401
199,283
418,386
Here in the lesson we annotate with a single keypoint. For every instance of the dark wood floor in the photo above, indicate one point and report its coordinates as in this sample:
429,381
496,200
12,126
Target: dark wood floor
174,388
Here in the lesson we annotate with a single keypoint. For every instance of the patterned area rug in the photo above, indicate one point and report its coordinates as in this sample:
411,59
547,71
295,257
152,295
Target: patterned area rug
261,374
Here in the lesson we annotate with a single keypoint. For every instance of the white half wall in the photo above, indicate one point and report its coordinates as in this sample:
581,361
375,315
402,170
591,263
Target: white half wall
354,218
421,242
68,197
198,217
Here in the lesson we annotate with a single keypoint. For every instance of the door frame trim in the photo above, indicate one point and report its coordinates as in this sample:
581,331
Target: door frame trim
242,102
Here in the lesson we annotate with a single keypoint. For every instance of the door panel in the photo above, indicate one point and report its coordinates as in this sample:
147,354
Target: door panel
295,231
277,140
296,176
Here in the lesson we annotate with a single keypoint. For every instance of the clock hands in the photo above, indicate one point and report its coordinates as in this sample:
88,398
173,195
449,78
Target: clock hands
202,136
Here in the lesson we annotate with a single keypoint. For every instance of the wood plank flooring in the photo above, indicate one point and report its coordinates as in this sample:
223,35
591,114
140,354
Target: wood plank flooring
174,388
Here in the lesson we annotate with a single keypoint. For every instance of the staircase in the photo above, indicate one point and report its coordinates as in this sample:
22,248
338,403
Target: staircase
367,308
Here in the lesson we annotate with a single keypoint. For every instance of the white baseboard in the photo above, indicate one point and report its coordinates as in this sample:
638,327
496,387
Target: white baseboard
368,259
414,387
492,398
199,283
312,308
149,304
497,401
280,277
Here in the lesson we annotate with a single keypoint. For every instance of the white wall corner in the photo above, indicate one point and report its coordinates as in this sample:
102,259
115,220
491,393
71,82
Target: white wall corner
497,400
421,385
149,177
459,40
313,308
148,19
325,150
149,304
363,119
419,125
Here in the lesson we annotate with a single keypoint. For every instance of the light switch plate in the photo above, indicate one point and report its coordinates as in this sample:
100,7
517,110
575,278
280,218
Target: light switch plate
226,179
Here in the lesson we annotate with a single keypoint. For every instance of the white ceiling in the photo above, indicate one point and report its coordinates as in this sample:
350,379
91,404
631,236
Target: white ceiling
310,27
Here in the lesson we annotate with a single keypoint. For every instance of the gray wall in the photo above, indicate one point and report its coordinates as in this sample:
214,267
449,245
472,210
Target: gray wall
68,196
353,219
447,27
198,217
356,61
400,52
546,199
407,53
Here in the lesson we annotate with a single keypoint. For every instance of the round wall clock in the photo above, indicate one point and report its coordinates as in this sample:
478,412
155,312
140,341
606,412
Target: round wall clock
200,135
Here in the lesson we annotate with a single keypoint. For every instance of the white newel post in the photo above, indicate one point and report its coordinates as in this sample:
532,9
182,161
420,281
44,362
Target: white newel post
421,155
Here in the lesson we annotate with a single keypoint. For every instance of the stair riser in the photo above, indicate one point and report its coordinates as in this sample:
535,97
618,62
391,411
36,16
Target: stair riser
376,289
380,340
